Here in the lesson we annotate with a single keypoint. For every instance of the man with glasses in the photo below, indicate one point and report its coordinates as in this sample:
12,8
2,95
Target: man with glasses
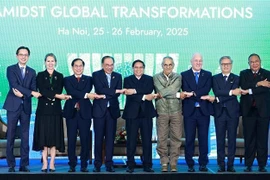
226,112
169,108
22,86
196,83
106,111
255,108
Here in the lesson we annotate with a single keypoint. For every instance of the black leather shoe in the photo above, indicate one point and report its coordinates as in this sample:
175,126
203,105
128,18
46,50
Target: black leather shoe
148,169
44,170
221,169
96,169
130,169
262,169
110,169
11,169
191,169
72,169
248,169
51,170
84,169
230,169
203,168
24,169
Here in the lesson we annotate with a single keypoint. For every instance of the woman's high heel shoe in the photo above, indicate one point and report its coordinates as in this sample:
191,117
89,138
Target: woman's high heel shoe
43,170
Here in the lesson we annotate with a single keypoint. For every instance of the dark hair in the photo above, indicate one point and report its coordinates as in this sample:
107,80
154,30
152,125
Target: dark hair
77,59
225,57
253,54
138,60
105,57
23,47
50,54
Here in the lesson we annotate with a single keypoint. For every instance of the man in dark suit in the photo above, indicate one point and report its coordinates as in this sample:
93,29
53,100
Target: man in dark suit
78,113
255,108
22,86
138,113
196,83
106,111
226,112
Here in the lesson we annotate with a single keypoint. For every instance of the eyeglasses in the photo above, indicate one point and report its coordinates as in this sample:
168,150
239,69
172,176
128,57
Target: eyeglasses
23,55
226,64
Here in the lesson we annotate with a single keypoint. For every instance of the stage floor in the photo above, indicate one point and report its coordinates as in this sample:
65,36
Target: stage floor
62,167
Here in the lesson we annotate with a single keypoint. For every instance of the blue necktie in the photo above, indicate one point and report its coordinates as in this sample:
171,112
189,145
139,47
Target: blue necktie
22,72
196,74
196,77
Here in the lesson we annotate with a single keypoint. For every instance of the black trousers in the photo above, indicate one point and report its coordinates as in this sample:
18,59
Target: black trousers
256,137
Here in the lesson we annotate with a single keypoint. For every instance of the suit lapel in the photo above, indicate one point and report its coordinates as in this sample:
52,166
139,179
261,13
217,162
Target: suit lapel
192,78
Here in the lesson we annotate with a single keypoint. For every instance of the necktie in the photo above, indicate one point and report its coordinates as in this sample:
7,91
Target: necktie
196,74
196,77
22,72
77,105
109,84
255,75
225,78
109,79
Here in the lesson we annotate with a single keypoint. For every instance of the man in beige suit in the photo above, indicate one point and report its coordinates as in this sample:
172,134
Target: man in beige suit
169,108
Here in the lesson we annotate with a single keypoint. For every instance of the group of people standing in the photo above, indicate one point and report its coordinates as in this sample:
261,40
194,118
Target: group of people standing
181,100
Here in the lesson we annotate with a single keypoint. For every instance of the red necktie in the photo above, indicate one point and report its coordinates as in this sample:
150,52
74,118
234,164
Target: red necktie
77,105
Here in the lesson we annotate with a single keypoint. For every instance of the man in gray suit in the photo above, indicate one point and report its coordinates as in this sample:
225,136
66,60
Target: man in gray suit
169,108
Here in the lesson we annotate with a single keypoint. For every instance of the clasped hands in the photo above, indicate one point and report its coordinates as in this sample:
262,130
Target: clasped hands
148,97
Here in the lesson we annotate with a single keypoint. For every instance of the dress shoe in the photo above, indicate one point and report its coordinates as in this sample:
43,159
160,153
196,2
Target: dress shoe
221,169
24,169
191,169
96,169
148,169
173,168
51,170
84,169
230,169
164,168
203,168
72,169
44,170
248,169
130,169
262,169
110,169
11,169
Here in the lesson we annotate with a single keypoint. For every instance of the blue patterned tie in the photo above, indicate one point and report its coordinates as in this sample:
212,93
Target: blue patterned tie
22,72
196,77
196,74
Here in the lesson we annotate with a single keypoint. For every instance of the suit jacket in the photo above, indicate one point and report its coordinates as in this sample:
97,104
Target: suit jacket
134,103
261,95
78,90
202,88
102,87
48,104
221,90
25,86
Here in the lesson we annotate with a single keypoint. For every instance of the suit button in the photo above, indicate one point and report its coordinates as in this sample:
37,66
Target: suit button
46,104
51,103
